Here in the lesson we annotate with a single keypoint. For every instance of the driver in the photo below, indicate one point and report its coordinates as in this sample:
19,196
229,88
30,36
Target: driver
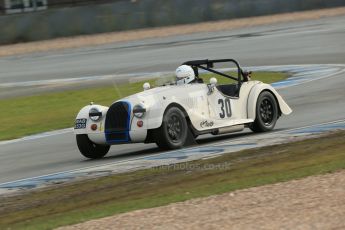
184,74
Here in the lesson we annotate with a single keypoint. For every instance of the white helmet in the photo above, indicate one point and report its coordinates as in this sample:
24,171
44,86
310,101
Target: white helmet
184,74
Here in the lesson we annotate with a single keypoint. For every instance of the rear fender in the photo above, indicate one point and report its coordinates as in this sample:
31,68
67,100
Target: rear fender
253,97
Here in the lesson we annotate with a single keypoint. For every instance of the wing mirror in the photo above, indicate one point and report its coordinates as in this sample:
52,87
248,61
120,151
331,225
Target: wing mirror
212,85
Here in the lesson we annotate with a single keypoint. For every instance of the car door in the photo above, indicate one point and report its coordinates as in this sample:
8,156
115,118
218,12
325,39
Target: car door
222,108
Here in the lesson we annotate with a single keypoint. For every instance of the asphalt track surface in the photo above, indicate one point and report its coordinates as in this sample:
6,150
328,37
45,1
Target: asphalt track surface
318,42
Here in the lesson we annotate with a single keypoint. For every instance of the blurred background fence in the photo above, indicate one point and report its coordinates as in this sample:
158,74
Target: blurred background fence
31,20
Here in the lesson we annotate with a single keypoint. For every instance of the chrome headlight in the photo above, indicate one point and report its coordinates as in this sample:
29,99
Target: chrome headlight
139,111
95,114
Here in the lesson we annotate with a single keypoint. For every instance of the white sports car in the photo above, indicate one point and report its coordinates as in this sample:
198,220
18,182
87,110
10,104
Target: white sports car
173,115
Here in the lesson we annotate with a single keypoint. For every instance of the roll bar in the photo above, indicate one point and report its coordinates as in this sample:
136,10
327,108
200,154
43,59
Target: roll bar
209,64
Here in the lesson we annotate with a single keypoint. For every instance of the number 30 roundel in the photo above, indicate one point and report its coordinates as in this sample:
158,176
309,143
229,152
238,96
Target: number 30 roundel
225,107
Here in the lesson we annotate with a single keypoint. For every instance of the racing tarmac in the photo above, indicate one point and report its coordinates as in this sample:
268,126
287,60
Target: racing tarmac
311,42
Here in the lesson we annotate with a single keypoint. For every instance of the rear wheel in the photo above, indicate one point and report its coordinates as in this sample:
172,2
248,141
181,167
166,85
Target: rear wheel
266,113
89,149
173,132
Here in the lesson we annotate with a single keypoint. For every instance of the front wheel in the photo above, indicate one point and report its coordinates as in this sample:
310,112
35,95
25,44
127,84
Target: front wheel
89,149
266,113
173,132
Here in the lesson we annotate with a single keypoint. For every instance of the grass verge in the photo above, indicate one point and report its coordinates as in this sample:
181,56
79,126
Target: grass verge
81,201
51,111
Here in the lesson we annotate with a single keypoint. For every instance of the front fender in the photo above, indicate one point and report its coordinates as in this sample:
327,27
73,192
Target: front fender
196,110
97,136
253,97
156,113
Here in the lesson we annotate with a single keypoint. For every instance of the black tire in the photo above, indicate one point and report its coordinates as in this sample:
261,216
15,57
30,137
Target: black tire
89,149
173,132
266,113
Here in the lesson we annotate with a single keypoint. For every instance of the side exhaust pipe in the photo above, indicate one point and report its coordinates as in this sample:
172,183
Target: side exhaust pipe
229,129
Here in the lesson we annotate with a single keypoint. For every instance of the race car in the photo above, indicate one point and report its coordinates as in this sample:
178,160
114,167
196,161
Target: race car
173,115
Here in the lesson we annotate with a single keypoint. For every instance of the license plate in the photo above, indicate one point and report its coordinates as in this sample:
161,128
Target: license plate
80,124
